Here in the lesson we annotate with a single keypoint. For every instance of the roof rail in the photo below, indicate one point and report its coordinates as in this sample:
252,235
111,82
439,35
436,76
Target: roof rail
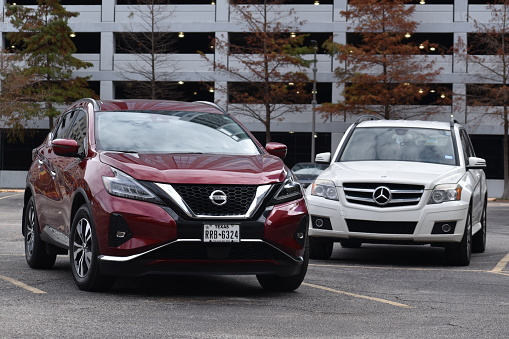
95,104
367,117
454,121
213,105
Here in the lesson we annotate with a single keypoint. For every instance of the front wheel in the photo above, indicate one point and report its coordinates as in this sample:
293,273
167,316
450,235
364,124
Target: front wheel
460,254
35,249
479,239
83,253
286,284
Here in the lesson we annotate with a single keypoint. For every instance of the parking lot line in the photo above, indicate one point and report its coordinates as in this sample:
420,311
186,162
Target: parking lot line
501,264
393,303
12,195
22,285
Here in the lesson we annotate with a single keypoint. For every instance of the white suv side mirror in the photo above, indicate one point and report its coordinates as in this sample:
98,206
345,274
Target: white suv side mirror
323,157
476,163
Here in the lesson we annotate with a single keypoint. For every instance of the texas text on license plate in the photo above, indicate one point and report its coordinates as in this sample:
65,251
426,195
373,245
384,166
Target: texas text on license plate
221,233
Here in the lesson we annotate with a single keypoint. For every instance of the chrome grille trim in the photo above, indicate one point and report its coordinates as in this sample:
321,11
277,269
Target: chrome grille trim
261,193
362,193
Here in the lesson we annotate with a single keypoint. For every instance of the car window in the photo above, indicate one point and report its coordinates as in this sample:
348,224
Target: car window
78,130
468,149
400,144
171,132
61,132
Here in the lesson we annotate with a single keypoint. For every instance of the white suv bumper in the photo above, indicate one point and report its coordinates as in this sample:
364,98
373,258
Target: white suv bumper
421,223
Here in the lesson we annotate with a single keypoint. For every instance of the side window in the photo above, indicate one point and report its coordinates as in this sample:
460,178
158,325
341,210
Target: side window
467,145
64,125
78,130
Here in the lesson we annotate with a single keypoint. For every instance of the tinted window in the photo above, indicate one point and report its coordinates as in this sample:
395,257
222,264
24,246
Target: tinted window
64,125
400,144
171,132
78,130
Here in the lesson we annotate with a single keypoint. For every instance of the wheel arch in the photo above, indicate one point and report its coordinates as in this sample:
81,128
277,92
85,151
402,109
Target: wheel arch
26,197
80,199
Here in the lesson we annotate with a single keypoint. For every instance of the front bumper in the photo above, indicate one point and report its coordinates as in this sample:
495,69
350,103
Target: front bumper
409,224
196,257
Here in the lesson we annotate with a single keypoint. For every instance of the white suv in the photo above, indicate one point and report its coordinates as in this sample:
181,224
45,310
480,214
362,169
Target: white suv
401,182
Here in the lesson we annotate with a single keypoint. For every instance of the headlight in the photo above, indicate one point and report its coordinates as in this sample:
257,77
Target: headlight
125,186
291,190
324,188
447,192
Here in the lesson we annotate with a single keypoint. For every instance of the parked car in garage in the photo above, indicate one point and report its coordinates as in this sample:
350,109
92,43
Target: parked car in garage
138,187
401,182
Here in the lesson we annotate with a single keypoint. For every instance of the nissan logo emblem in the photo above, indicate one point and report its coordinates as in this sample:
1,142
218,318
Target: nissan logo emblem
218,198
382,195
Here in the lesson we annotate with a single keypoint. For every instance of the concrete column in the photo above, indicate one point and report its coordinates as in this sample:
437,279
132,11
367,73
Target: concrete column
338,7
459,62
459,103
108,10
460,10
107,90
222,11
107,51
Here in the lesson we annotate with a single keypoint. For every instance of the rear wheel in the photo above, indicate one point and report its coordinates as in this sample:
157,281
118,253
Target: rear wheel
35,249
320,249
286,284
479,239
84,252
460,254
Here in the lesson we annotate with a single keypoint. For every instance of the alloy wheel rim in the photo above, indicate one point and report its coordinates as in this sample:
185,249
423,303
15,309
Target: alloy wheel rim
82,248
30,228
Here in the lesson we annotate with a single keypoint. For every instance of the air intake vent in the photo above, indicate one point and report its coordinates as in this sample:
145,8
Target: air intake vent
119,232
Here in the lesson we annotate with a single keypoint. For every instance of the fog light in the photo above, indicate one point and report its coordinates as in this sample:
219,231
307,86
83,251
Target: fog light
319,223
446,228
300,235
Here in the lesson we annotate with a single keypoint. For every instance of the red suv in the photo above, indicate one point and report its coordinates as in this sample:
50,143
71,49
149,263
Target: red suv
137,187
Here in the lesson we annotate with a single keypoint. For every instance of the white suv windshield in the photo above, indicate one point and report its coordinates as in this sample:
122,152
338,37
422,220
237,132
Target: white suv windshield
171,132
400,144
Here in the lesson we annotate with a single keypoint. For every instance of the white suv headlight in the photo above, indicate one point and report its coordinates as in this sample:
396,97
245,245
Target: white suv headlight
445,192
324,188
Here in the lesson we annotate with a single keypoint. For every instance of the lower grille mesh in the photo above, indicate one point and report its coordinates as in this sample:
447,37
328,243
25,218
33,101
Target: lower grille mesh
381,227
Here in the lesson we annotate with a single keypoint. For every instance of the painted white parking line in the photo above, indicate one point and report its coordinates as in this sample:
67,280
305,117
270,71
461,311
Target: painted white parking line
22,285
501,264
393,303
12,195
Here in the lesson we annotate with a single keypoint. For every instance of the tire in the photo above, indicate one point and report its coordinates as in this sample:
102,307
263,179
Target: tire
84,252
479,239
276,283
320,249
460,254
35,249
350,243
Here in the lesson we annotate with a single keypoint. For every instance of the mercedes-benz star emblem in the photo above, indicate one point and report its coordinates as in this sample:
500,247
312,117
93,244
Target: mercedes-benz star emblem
382,195
218,198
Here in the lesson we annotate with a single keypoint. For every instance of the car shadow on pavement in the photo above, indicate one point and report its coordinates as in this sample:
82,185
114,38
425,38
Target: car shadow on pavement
390,255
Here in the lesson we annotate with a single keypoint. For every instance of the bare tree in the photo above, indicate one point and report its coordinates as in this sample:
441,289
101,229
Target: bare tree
264,63
488,59
149,40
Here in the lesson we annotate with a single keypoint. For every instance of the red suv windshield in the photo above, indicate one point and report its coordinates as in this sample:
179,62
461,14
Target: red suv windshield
171,132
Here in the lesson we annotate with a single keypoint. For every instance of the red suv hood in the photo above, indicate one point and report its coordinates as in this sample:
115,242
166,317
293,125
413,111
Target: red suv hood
199,168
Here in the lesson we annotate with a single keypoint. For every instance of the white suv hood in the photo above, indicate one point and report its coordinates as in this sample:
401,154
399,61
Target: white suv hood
418,173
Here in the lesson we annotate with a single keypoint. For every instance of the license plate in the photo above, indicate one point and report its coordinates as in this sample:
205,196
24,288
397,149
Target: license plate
221,233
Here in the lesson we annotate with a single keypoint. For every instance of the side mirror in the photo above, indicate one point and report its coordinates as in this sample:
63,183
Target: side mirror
323,157
476,163
65,147
277,149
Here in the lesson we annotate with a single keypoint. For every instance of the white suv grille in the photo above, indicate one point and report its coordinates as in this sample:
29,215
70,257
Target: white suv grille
383,194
